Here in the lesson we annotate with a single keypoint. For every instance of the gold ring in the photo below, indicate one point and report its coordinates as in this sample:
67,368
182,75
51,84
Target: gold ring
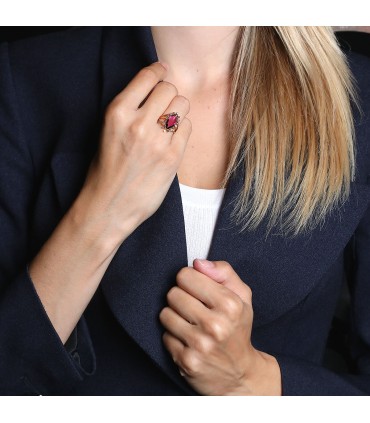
169,122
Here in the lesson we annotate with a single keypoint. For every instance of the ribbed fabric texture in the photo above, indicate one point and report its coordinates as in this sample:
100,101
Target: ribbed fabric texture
201,208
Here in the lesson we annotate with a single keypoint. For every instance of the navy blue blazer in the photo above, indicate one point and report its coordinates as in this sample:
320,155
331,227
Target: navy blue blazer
53,93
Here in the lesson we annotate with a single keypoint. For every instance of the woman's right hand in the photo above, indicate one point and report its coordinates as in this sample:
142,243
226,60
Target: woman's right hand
126,183
136,160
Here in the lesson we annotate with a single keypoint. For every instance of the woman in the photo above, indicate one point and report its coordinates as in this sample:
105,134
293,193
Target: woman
99,292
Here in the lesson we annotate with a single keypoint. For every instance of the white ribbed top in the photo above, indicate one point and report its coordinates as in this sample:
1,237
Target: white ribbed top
201,207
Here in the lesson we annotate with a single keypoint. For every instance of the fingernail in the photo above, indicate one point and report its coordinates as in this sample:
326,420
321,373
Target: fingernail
206,263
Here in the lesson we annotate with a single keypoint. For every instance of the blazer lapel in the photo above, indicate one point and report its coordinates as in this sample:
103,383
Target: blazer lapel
145,266
125,50
281,271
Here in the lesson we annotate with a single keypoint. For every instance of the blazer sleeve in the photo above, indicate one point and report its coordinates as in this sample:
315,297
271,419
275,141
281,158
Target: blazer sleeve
303,378
33,359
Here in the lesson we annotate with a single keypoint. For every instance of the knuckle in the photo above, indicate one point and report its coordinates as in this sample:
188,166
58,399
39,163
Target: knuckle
226,266
248,292
190,363
162,313
183,275
158,149
202,344
138,129
115,112
172,293
232,305
249,312
225,270
216,328
168,86
148,73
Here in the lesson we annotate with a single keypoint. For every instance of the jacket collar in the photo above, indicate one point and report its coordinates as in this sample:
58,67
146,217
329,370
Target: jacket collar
280,271
125,50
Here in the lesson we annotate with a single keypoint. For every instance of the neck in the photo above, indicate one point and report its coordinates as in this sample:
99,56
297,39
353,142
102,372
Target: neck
196,55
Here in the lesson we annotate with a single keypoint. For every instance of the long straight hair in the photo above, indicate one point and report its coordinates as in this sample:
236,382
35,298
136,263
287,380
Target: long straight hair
291,118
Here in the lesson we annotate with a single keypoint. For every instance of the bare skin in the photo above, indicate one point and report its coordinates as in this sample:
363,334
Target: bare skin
208,325
126,183
199,61
128,180
210,342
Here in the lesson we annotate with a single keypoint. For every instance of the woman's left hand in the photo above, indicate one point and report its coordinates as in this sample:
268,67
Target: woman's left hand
208,325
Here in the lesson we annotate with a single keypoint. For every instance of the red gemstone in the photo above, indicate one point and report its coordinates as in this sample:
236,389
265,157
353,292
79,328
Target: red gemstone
171,121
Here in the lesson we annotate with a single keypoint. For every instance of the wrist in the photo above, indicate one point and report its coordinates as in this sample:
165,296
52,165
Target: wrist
268,380
263,376
98,228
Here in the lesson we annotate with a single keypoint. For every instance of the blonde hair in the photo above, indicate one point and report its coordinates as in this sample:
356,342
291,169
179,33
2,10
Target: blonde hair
290,117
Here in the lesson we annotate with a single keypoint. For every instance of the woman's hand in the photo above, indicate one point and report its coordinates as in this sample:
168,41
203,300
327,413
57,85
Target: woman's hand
126,183
136,161
208,333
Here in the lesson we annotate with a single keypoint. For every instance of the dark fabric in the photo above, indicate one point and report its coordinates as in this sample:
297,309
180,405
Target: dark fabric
53,93
13,33
355,40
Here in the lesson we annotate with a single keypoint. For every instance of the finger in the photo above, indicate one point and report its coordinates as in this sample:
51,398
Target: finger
176,325
180,138
162,94
201,287
141,85
181,106
183,356
223,273
178,104
188,307
174,346
220,271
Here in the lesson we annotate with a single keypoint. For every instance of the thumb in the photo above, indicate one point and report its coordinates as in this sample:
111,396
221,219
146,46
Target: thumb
223,273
